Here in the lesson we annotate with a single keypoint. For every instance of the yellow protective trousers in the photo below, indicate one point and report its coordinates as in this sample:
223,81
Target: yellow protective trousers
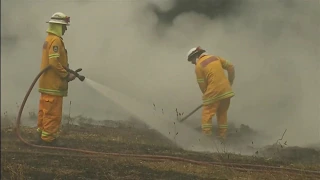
49,116
219,108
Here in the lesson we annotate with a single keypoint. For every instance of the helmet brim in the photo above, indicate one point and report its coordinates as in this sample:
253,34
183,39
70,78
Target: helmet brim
58,23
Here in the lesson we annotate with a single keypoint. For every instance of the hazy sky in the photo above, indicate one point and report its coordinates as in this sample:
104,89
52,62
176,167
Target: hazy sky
275,47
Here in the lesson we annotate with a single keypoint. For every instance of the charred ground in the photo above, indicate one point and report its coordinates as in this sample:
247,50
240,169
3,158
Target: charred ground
24,162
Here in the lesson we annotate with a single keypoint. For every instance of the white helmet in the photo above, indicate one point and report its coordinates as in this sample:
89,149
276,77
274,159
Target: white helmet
59,18
194,51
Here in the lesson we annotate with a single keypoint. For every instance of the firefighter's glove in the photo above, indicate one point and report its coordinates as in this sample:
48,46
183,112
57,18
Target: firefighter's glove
70,77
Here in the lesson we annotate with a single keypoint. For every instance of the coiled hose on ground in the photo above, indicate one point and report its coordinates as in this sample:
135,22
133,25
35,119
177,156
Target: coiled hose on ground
236,166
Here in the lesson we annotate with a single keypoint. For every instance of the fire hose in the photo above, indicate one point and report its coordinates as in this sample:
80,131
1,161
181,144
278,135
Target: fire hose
89,153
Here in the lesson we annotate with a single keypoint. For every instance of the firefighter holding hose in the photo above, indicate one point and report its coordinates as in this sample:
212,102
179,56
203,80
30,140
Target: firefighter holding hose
53,84
215,86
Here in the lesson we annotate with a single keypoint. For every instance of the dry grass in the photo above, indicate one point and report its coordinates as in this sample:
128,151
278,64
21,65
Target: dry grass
23,162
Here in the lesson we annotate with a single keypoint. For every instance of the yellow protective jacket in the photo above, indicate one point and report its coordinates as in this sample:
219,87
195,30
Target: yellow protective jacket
54,80
211,78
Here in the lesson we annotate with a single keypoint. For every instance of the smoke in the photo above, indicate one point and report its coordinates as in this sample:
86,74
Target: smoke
139,48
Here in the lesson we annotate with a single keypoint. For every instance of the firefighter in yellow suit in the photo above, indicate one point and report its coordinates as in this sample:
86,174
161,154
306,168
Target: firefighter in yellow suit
215,86
53,84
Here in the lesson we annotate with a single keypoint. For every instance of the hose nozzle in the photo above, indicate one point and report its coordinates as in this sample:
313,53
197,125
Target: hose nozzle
80,77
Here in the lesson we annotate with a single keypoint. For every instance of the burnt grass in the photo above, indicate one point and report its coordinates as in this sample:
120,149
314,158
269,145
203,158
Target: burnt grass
19,161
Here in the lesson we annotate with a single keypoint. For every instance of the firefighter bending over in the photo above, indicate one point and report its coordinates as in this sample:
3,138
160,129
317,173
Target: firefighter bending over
53,84
215,86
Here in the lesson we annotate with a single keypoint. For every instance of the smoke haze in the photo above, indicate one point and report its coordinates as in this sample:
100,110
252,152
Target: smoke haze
139,48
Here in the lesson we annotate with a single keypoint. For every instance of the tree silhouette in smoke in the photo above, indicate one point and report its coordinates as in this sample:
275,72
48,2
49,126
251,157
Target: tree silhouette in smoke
209,8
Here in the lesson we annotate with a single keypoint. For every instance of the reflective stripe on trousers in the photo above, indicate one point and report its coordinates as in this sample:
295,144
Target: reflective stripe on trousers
39,130
207,129
46,134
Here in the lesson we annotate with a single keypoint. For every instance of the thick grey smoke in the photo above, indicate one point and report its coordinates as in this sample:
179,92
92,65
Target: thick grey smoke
141,50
